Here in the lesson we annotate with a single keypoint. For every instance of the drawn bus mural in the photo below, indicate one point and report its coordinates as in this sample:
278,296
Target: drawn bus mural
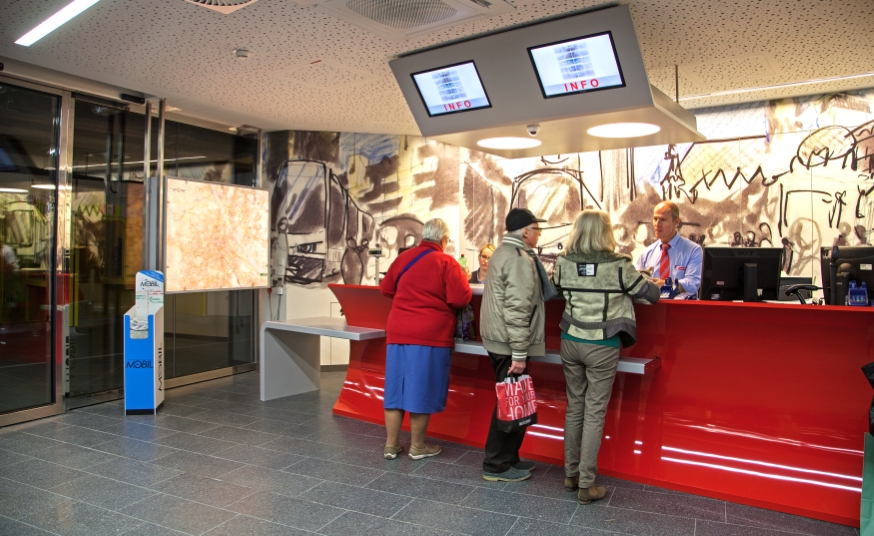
324,232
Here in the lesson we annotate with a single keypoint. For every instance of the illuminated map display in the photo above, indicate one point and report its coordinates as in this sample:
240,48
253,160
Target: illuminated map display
218,236
452,89
577,66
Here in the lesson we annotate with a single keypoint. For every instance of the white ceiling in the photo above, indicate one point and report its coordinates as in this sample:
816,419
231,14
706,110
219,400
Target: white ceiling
181,51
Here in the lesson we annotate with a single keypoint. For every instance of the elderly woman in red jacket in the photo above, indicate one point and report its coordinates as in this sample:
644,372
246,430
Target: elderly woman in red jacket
427,286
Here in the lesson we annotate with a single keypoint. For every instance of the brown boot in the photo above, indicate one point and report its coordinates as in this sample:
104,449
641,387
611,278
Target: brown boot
587,495
571,483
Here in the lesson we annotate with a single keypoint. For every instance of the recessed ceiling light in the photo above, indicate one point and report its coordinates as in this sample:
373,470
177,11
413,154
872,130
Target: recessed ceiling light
623,130
242,54
508,143
13,191
778,86
49,187
55,21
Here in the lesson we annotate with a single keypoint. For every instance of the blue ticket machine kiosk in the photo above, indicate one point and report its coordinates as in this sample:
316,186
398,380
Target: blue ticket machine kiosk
144,347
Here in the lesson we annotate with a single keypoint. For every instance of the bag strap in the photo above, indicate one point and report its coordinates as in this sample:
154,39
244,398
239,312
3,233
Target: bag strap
410,265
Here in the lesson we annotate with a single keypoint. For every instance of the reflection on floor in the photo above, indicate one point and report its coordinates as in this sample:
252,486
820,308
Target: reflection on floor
218,461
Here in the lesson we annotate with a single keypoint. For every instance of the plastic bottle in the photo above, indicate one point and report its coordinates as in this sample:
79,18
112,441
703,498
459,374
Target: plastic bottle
462,261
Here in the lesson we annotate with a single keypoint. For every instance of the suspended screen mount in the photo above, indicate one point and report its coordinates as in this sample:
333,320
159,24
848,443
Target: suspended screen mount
578,65
451,89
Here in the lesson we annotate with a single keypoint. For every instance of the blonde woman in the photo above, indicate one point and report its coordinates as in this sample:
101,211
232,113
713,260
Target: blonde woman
599,286
485,253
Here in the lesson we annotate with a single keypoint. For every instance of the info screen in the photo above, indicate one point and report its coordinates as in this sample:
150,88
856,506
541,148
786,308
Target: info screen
452,89
576,66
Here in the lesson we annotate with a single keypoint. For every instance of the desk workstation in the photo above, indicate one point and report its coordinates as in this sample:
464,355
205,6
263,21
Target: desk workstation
755,403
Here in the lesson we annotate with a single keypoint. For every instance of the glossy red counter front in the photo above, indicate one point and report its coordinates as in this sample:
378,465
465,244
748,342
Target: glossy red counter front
761,404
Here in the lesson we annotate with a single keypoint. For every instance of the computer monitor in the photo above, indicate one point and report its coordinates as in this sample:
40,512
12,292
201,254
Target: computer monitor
748,274
860,260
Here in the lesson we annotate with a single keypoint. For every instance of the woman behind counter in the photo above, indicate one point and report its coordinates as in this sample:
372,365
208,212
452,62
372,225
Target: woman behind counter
427,286
485,253
599,286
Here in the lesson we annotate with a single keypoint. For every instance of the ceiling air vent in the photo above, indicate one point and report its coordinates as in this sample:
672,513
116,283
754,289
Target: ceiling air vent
406,19
223,6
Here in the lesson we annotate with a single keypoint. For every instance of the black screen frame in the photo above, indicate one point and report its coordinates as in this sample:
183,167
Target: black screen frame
591,90
738,259
422,97
856,255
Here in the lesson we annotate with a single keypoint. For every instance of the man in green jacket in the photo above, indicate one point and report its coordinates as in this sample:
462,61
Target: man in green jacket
512,328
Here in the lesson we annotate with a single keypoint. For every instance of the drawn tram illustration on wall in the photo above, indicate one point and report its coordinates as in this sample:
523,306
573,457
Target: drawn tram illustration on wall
323,231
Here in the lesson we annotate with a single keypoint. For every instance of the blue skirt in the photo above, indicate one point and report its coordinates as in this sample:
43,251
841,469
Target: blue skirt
416,378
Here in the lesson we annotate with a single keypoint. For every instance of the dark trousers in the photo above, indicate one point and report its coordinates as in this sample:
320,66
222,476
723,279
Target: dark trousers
502,448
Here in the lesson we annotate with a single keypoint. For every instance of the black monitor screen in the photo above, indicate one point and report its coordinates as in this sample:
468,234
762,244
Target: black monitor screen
577,65
859,261
451,89
724,268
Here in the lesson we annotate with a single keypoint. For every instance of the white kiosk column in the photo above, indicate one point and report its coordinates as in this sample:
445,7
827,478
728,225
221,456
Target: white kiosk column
144,346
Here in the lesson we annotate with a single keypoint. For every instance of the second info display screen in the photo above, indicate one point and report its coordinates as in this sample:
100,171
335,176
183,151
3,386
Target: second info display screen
452,89
577,66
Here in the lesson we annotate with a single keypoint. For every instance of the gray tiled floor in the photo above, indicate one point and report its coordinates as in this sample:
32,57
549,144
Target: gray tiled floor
218,461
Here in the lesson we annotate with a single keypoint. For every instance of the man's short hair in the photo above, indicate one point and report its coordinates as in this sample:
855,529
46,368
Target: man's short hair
675,209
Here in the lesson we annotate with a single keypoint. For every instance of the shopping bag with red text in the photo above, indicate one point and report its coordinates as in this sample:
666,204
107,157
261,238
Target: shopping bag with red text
517,403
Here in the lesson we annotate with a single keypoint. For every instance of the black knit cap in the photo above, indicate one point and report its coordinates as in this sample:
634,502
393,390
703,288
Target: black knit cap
519,218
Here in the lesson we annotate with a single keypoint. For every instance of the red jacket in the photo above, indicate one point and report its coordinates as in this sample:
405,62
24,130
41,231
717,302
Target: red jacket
423,309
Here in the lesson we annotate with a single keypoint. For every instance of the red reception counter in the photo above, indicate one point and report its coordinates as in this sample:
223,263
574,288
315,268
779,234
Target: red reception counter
761,404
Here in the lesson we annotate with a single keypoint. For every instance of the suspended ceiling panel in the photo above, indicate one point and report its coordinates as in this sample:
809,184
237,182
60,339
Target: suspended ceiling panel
183,51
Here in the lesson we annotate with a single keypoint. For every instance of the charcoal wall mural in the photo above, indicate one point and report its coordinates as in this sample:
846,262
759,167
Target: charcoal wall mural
796,173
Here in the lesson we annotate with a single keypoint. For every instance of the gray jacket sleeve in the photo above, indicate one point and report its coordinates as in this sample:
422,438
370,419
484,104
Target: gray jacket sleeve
518,303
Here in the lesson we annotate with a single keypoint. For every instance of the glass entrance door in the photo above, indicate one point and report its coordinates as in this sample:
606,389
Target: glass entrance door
31,168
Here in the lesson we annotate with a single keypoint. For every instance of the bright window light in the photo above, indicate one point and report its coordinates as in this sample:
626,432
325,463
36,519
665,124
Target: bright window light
623,130
55,21
508,143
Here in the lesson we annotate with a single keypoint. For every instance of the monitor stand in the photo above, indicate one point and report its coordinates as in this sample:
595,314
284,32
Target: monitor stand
750,283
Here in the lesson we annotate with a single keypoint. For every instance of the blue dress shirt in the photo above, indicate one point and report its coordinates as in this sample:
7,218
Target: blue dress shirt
685,257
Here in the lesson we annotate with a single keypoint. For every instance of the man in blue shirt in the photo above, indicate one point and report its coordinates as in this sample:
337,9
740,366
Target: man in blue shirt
671,255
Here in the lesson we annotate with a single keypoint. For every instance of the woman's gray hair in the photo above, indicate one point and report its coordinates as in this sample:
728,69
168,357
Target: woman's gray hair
435,230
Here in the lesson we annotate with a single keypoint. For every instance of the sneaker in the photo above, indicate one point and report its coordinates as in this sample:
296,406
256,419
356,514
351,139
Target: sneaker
571,483
510,475
587,495
391,453
429,450
525,466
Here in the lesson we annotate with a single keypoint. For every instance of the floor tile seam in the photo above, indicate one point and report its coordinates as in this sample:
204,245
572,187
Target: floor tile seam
29,525
77,499
512,526
520,516
189,499
670,492
787,532
241,443
338,481
656,514
99,476
396,521
198,474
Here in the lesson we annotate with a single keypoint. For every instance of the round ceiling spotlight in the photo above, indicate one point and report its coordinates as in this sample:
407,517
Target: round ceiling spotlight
623,130
508,143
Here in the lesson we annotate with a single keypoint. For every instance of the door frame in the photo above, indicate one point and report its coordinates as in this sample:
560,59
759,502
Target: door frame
62,226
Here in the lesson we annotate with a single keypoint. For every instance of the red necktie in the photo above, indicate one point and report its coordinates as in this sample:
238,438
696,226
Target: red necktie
665,263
